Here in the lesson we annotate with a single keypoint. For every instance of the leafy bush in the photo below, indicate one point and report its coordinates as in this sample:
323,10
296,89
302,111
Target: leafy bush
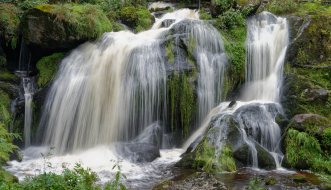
78,178
231,19
223,5
47,67
6,146
9,21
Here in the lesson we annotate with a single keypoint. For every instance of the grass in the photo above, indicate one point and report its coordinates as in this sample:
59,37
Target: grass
139,18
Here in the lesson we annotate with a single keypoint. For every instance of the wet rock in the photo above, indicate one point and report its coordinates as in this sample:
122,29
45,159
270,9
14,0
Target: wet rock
144,148
196,181
166,23
265,159
270,181
138,152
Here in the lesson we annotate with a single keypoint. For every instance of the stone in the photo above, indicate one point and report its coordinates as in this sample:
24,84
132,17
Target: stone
311,123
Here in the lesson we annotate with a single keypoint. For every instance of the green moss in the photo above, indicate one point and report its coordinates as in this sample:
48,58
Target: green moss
86,21
9,22
181,102
139,18
281,7
326,140
7,76
47,67
5,116
226,160
204,15
170,53
186,104
303,150
205,157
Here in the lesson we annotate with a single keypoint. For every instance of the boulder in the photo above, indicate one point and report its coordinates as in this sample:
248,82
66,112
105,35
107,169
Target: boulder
265,159
145,147
311,123
47,28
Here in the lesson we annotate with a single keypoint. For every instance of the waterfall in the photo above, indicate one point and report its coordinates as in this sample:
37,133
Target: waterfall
255,116
267,41
111,90
29,89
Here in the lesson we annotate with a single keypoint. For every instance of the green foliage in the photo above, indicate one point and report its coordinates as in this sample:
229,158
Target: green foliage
226,160
137,17
9,22
326,139
29,4
6,146
78,178
116,183
233,29
170,53
204,15
305,150
47,67
223,5
181,102
86,21
5,116
231,19
281,7
255,184
301,146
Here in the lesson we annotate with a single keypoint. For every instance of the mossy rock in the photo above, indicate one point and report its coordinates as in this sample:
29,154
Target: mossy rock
310,123
137,18
63,26
303,151
47,67
9,23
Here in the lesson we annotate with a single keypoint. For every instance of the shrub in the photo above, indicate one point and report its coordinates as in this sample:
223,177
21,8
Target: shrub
6,146
223,5
9,21
28,4
231,19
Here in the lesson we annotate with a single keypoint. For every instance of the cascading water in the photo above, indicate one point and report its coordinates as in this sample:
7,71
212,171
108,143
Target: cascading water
29,89
267,42
115,90
255,120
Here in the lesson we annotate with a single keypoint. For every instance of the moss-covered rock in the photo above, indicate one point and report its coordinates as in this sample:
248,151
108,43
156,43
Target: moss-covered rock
9,23
47,67
311,123
63,26
137,18
303,151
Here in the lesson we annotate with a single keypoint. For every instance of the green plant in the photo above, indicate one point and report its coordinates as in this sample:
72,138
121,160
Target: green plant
223,5
6,146
116,182
231,19
28,4
9,22
139,18
255,184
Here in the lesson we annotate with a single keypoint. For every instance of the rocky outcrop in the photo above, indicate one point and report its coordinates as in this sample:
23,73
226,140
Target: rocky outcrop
197,181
